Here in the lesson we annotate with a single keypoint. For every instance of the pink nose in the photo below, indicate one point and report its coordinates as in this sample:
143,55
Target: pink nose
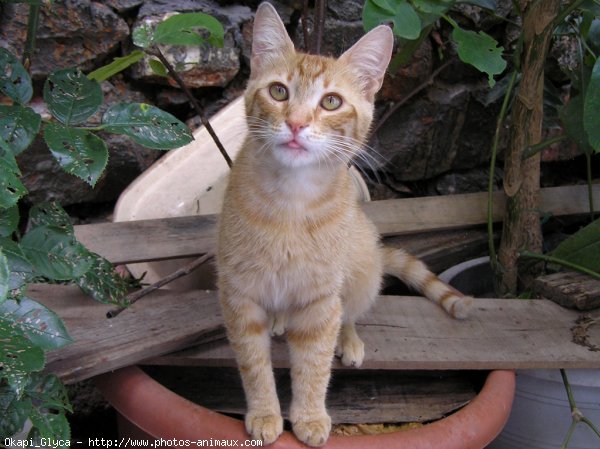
296,127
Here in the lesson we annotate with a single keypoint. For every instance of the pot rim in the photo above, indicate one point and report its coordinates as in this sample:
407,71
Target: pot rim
164,414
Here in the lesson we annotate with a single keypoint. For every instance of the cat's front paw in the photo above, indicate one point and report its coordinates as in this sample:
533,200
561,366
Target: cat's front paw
266,428
350,349
313,432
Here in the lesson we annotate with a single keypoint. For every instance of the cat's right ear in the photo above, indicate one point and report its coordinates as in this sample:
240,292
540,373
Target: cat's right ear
270,40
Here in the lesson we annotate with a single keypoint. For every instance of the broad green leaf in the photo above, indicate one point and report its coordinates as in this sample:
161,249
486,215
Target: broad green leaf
71,97
18,126
41,325
117,65
481,51
48,392
582,248
593,36
13,409
11,188
21,270
591,108
571,116
142,35
18,354
15,82
407,23
48,427
436,7
158,68
182,29
9,220
79,152
147,125
50,214
55,253
4,278
102,282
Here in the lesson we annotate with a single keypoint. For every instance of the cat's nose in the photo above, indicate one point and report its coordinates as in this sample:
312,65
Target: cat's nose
295,126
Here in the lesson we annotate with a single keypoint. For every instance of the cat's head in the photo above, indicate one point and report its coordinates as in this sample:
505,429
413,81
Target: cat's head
307,109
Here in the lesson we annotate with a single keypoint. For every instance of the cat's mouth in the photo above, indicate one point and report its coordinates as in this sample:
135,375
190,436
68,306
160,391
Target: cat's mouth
295,145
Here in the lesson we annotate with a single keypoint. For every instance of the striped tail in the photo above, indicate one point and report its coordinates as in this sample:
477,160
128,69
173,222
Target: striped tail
415,274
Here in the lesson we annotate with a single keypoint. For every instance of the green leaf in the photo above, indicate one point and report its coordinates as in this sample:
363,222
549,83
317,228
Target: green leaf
147,125
582,248
436,7
407,23
158,68
571,116
55,254
182,29
50,214
591,108
15,82
71,97
9,220
18,126
78,151
13,409
116,66
18,354
11,188
481,51
48,427
4,278
41,325
21,270
102,282
142,35
48,392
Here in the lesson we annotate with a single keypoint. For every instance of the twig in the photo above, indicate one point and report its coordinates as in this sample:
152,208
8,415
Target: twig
410,95
532,150
159,54
32,25
319,25
305,26
187,269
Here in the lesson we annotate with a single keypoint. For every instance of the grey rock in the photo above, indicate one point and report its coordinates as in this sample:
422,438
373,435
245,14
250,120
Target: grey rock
70,33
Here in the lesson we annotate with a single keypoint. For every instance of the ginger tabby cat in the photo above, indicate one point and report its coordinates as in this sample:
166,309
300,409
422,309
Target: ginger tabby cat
295,251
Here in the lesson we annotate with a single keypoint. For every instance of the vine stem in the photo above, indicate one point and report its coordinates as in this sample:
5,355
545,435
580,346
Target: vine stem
32,26
159,54
319,25
490,203
135,296
561,262
535,149
576,414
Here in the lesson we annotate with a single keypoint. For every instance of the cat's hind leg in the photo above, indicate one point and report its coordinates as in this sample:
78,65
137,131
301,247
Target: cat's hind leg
249,335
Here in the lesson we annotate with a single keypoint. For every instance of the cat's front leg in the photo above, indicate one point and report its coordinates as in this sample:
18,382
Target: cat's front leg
248,332
312,333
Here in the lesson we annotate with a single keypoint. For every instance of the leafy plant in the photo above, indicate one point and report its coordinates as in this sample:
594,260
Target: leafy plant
49,251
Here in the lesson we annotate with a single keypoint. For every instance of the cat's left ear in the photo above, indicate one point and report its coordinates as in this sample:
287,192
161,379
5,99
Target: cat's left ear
369,58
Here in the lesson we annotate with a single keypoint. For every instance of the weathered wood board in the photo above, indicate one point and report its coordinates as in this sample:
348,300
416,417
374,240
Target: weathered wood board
354,396
408,333
127,242
158,324
569,289
411,333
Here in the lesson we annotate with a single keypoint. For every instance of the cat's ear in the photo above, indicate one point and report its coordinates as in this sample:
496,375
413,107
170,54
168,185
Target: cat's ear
369,58
270,40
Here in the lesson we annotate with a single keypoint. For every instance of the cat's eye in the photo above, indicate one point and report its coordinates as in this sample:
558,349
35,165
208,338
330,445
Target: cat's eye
331,102
278,91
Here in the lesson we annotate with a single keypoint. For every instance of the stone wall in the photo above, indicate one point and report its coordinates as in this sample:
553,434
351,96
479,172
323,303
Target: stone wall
438,142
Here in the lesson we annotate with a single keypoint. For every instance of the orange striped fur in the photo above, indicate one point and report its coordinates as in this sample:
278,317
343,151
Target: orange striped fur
296,254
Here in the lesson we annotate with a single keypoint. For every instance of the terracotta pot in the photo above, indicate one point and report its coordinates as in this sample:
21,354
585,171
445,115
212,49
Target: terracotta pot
160,413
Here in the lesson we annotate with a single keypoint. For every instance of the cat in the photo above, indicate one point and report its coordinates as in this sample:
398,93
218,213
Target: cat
296,254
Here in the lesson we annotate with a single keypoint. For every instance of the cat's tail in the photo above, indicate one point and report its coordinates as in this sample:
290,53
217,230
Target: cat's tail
415,274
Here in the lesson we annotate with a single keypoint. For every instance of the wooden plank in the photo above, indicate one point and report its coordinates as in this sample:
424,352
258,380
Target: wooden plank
569,289
146,240
394,217
411,333
164,238
354,396
158,324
